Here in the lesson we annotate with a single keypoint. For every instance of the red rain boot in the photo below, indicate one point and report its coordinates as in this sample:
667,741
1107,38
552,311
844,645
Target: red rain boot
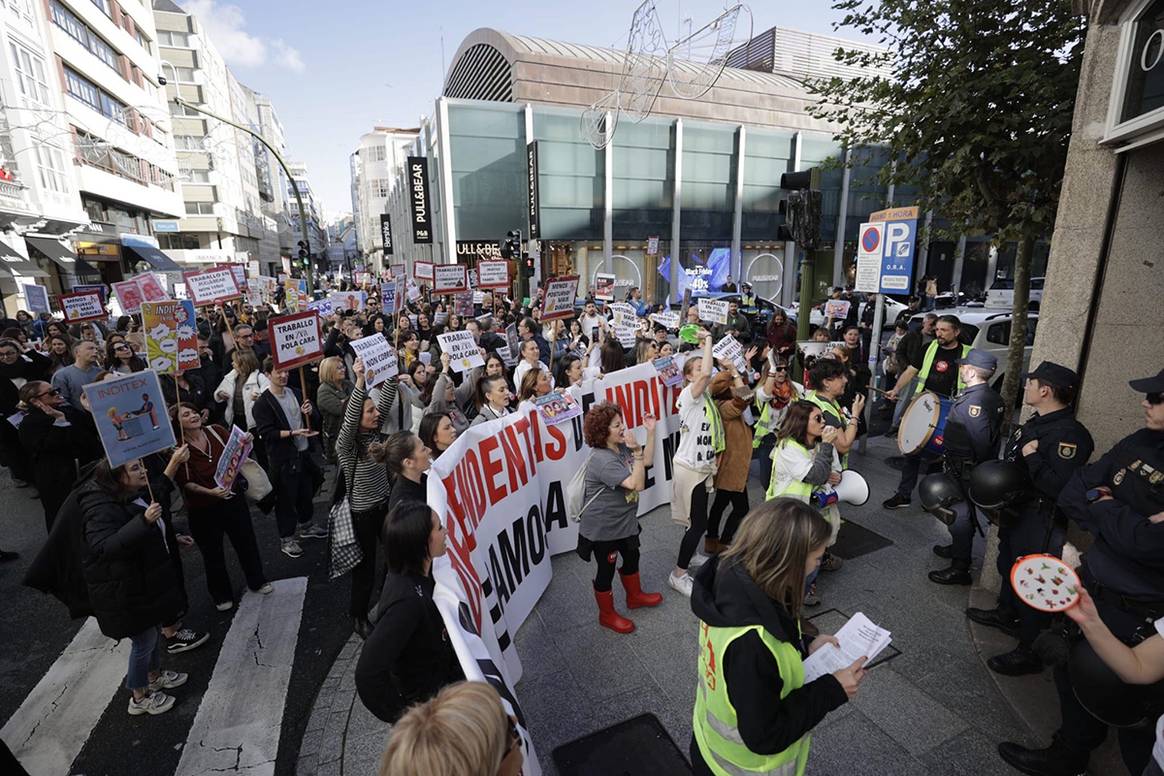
635,597
608,617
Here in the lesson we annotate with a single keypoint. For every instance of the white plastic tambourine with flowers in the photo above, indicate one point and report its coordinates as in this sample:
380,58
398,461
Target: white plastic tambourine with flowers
1045,582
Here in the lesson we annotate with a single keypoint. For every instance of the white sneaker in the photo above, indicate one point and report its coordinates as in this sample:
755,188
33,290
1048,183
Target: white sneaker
266,589
681,584
291,548
225,606
154,703
168,680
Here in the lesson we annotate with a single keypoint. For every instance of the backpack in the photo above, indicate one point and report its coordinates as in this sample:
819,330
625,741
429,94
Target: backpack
576,502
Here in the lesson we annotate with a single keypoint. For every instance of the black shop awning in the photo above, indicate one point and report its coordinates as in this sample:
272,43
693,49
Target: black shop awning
61,254
13,262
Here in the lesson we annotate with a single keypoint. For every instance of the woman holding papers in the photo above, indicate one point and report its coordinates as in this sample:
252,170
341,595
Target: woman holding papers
753,709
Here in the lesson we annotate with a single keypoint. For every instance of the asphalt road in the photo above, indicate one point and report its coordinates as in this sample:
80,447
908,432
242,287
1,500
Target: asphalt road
35,628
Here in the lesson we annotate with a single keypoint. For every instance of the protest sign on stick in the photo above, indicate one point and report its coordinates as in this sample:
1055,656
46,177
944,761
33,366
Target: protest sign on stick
295,339
560,295
713,310
82,306
37,298
151,287
130,414
129,296
604,286
449,279
464,352
379,357
422,270
211,286
171,336
493,274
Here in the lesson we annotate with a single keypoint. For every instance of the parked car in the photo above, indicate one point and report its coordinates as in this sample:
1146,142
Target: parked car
1001,293
758,315
989,330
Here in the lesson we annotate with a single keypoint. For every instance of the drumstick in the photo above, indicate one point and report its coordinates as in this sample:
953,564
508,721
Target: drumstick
878,390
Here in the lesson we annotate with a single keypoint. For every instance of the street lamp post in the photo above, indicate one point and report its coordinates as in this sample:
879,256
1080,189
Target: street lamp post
279,158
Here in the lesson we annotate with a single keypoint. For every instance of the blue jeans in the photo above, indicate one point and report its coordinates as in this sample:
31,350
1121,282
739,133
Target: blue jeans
145,657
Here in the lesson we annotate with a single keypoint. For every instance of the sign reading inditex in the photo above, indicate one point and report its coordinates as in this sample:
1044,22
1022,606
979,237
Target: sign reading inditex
418,192
386,232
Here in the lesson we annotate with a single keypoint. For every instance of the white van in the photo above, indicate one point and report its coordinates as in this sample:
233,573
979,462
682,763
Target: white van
1001,294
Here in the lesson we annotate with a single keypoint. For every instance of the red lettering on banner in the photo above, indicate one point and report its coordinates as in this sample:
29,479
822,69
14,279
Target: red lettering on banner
490,468
525,426
555,448
637,399
476,486
513,458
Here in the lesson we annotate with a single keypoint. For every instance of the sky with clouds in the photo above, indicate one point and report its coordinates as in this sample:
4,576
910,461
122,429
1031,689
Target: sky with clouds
334,70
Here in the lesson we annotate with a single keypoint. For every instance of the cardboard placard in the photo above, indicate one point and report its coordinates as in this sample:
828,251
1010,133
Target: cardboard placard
560,295
493,274
378,356
211,286
295,339
398,271
668,320
391,301
151,287
837,309
323,307
130,415
449,279
713,310
730,349
82,306
236,450
422,270
37,298
669,371
347,300
128,296
604,286
100,288
463,304
171,336
464,352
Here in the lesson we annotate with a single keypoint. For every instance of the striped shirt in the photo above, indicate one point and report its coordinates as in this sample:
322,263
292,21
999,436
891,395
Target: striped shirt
366,480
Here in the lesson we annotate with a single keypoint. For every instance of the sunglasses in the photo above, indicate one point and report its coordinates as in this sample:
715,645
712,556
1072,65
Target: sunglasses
780,369
49,392
1156,397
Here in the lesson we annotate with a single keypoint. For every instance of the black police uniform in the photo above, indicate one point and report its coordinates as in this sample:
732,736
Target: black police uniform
970,437
1123,570
1034,523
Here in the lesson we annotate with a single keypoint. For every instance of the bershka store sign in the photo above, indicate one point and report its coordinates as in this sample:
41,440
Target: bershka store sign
386,232
535,210
418,191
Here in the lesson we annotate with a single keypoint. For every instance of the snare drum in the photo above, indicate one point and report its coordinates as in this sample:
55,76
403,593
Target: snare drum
923,423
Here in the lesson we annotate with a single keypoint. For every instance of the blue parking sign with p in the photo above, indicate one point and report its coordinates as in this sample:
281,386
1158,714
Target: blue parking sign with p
899,236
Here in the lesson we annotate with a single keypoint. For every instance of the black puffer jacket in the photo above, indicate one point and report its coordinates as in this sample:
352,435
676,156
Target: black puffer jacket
133,578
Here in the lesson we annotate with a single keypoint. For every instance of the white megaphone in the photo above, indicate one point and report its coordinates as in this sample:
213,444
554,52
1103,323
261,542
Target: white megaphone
852,489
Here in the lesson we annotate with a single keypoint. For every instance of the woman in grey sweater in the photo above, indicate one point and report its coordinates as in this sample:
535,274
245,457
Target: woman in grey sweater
366,482
331,398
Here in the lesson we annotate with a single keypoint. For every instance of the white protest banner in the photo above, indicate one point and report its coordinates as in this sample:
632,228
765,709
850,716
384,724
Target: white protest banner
254,269
499,489
37,298
82,306
422,270
560,295
604,286
347,300
211,286
440,318
623,312
391,300
730,349
625,333
464,352
295,339
713,310
449,279
128,296
837,309
378,356
668,320
493,274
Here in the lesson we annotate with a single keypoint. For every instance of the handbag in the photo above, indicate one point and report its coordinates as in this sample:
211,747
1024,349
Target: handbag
344,550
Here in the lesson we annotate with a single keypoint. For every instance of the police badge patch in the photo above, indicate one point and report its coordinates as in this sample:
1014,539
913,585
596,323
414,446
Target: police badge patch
975,410
1067,450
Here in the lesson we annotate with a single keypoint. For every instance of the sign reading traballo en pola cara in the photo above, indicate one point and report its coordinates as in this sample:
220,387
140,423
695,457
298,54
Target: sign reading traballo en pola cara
295,339
449,279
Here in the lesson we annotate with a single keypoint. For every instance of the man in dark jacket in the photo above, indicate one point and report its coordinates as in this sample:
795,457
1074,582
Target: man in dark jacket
279,414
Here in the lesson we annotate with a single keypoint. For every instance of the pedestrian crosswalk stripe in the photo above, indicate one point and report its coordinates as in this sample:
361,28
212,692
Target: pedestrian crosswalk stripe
237,724
53,723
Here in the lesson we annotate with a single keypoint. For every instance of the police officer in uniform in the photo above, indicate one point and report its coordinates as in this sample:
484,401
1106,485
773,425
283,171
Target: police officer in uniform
971,436
1049,447
1119,499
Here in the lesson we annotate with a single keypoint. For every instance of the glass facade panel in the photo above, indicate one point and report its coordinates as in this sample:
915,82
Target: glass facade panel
570,178
488,157
708,195
767,155
815,150
866,192
644,165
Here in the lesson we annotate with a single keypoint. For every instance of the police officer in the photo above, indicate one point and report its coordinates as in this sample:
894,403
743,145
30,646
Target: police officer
971,436
1119,500
1049,447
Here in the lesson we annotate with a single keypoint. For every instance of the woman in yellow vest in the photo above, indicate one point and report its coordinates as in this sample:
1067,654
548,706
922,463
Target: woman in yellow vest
805,466
753,710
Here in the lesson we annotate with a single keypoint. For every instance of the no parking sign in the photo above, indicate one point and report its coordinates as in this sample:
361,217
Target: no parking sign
869,249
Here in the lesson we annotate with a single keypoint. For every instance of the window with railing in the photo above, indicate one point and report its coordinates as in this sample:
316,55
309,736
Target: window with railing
103,155
81,32
30,74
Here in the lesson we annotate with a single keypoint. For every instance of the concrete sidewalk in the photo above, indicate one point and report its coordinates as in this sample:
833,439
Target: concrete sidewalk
934,709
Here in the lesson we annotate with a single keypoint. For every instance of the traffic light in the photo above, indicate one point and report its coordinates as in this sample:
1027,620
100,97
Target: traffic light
802,208
528,265
511,248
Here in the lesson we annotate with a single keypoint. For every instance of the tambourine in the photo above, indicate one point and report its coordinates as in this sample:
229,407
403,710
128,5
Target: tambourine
1045,582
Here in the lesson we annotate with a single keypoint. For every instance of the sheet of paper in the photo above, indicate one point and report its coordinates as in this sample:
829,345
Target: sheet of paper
858,637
